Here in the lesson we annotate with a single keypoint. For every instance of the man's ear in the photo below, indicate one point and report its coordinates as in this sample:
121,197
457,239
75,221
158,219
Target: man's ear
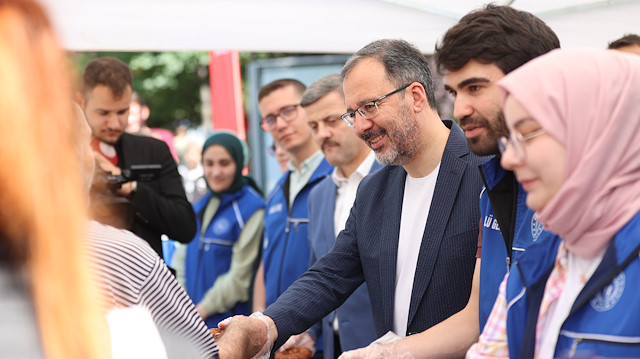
79,99
418,96
144,112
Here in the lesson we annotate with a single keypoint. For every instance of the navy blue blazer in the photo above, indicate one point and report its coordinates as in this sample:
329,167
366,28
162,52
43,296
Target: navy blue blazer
354,316
367,249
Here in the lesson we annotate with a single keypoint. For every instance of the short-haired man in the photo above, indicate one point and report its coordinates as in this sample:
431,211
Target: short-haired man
350,326
156,207
286,252
482,48
475,53
424,205
629,43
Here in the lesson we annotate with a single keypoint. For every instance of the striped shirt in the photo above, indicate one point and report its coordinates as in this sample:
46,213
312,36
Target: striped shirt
131,273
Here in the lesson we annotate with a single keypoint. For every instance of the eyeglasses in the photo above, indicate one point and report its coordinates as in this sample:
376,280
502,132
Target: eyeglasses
287,113
369,109
518,143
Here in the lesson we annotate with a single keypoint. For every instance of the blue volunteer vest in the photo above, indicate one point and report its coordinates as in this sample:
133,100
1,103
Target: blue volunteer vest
603,321
209,255
495,260
286,249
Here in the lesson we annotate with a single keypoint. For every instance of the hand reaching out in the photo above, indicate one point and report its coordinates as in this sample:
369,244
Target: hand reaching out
389,346
105,164
247,337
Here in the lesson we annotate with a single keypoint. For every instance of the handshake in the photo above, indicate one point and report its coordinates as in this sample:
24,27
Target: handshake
246,337
254,336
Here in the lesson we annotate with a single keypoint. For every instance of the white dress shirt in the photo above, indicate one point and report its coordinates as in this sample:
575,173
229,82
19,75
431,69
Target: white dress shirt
299,179
346,193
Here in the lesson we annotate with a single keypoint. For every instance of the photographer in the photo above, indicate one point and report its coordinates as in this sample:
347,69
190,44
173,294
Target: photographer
150,208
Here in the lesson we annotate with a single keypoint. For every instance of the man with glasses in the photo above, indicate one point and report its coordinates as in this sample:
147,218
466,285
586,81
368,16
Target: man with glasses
485,45
412,231
286,249
351,325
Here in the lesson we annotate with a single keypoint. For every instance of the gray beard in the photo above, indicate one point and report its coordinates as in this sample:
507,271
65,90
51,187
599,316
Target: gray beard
404,140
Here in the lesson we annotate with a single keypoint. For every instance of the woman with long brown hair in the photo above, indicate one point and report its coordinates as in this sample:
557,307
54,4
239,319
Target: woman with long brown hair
43,262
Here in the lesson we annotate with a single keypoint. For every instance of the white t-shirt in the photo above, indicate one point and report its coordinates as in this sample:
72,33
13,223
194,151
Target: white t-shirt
418,193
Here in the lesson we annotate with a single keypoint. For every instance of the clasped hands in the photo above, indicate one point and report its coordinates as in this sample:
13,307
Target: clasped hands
247,337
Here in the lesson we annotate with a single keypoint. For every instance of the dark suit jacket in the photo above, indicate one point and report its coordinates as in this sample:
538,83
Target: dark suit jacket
367,249
354,316
160,206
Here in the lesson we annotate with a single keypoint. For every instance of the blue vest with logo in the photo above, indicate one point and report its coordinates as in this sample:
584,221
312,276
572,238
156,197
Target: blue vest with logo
604,319
209,255
286,250
524,229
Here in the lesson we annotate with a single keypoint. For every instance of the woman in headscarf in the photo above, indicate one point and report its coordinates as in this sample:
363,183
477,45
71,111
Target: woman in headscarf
574,119
220,261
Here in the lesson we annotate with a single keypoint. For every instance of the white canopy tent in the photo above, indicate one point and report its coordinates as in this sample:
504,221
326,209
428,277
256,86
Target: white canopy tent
306,26
310,26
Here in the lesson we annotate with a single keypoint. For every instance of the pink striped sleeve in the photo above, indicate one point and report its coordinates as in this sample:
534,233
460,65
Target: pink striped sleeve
493,340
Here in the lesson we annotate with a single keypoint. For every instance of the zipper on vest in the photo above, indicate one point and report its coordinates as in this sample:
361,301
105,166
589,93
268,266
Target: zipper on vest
574,347
295,222
508,260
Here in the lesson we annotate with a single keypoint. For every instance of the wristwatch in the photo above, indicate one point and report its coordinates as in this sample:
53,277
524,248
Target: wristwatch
134,186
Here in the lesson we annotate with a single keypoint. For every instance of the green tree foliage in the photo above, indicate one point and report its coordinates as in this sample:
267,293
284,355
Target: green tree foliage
169,81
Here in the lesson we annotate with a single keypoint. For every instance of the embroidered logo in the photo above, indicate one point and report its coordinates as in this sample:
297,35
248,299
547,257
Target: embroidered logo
275,208
490,222
608,296
221,226
536,227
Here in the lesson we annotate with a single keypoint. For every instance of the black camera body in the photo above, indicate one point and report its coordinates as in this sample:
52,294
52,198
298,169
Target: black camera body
106,205
105,181
140,173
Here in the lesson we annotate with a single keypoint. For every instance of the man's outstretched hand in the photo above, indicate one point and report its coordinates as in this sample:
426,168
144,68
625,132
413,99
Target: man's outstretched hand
247,337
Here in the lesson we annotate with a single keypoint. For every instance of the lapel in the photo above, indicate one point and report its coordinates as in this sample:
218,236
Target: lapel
388,237
452,168
327,209
376,166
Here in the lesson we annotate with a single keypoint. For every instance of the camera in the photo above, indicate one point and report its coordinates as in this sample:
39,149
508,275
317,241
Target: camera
142,173
106,205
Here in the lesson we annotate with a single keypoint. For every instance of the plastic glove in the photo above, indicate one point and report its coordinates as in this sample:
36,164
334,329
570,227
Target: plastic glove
265,351
304,340
389,346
